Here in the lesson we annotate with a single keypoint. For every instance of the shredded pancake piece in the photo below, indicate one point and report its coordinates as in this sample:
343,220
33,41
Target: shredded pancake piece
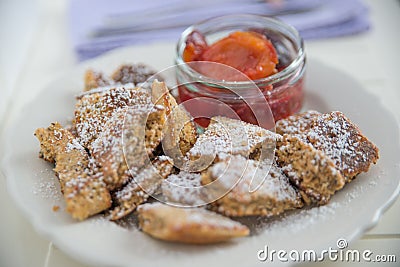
145,183
83,188
95,108
128,139
337,137
194,226
95,79
255,188
297,123
180,130
309,169
225,136
184,189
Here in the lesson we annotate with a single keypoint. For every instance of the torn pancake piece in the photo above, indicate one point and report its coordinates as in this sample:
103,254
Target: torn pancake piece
297,123
180,130
225,136
127,141
342,141
184,189
272,195
133,73
336,136
310,170
84,191
95,108
94,79
194,225
137,191
52,140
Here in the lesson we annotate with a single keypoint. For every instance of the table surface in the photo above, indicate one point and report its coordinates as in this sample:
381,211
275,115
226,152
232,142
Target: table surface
36,50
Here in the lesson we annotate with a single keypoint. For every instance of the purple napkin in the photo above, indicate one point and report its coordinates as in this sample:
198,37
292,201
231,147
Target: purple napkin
98,26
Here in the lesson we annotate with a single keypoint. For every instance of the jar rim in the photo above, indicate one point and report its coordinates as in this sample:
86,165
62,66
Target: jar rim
280,75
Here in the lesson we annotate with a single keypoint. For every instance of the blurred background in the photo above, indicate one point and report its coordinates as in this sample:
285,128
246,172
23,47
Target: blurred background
83,29
88,28
42,39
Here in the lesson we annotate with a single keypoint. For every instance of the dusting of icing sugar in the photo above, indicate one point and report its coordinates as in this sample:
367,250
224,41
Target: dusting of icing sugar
133,73
373,183
297,123
57,135
183,188
78,183
74,145
342,142
47,187
132,189
86,182
102,221
112,152
144,183
230,136
104,89
243,172
92,111
164,158
295,221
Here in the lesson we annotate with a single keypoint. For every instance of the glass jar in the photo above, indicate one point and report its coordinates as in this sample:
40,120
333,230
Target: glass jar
283,90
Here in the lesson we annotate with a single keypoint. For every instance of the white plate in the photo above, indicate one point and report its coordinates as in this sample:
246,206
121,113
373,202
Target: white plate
96,241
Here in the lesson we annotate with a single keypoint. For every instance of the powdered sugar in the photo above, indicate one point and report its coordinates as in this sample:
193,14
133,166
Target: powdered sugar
46,186
104,89
297,123
133,73
241,173
74,145
93,110
342,142
296,221
183,188
145,182
336,136
229,136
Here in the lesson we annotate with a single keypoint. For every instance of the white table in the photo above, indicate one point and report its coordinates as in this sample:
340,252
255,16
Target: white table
40,51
